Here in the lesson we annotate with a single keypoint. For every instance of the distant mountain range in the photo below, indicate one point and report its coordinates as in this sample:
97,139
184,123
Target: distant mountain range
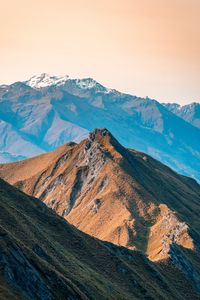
117,195
46,111
190,112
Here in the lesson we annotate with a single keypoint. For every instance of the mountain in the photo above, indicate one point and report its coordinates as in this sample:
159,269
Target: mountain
44,80
190,112
46,111
118,195
43,257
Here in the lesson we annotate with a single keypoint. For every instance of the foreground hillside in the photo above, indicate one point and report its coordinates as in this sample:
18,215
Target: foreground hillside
43,257
118,195
45,112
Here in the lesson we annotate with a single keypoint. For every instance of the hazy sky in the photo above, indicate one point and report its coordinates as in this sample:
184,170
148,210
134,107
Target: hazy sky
144,47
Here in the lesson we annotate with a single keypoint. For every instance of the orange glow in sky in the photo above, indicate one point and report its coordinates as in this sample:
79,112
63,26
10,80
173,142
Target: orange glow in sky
144,47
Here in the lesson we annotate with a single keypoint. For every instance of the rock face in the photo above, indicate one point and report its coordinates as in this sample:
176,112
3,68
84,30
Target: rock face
115,194
43,257
167,231
46,111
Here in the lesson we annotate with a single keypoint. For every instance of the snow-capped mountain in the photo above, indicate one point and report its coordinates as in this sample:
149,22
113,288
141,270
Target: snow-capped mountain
45,80
189,112
47,111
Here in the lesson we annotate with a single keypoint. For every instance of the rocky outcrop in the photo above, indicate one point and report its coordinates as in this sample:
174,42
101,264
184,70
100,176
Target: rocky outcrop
167,231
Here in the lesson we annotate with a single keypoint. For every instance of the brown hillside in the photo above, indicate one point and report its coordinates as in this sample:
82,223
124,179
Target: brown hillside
43,257
115,194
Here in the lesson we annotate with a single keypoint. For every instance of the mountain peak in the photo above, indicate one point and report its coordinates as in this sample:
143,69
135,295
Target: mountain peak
189,112
98,133
113,193
87,83
45,80
104,137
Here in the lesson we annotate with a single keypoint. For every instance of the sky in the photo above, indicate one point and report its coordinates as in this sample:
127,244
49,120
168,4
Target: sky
142,47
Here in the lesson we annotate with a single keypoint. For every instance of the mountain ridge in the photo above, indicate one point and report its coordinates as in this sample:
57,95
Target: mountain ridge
189,112
53,115
118,195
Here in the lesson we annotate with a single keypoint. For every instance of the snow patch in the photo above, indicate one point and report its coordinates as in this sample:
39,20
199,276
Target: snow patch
44,80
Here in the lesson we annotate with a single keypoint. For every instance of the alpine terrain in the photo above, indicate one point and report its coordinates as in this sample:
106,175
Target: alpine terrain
118,195
44,112
43,257
189,112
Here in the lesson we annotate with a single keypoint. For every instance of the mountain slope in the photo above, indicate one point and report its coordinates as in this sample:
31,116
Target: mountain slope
43,257
47,111
189,112
117,195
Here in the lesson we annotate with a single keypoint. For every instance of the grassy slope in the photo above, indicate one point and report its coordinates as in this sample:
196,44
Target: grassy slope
138,184
42,256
